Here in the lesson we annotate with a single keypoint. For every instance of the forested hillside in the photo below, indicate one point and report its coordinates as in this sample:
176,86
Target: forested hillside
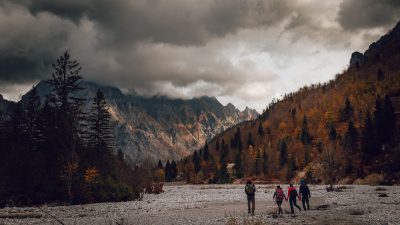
345,130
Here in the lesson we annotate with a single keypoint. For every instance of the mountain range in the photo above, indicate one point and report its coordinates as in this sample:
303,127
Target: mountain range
157,128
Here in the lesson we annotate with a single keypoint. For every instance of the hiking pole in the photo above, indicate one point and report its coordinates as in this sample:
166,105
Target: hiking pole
51,216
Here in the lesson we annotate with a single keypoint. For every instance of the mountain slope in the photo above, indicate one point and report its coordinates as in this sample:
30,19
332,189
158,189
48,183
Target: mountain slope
153,128
297,136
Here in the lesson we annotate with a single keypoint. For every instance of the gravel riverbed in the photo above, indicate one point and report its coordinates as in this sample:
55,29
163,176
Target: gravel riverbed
216,204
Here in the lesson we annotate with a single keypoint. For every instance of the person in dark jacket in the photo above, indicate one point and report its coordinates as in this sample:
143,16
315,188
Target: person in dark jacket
279,196
305,195
292,195
250,190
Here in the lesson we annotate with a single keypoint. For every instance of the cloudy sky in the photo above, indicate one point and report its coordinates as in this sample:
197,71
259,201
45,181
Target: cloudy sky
241,51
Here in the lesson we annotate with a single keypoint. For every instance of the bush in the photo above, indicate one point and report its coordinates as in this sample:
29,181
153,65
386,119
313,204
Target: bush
155,188
108,190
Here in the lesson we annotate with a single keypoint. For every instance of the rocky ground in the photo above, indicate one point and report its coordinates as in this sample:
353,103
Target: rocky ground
225,204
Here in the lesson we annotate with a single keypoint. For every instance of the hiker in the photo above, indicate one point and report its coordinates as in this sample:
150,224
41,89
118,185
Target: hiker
279,195
250,190
292,195
305,195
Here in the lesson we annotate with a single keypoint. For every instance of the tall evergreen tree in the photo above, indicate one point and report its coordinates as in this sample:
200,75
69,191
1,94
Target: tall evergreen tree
389,120
379,119
305,136
261,129
223,172
238,165
168,171
206,153
173,170
160,165
250,140
368,143
351,137
32,108
196,162
65,85
265,162
283,157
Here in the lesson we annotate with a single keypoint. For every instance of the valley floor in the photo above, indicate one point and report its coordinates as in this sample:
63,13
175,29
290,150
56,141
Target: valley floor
218,204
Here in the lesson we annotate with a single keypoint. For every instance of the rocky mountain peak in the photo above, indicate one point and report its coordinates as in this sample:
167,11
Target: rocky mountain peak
158,127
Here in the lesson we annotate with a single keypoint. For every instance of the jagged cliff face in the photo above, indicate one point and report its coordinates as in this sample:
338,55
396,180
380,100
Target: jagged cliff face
161,128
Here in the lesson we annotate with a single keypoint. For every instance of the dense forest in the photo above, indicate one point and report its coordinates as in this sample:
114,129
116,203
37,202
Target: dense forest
52,150
345,130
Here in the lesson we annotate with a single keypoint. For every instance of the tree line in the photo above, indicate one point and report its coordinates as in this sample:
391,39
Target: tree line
52,150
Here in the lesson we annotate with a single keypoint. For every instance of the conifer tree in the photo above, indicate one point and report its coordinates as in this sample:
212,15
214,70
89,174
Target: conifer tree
305,136
265,162
65,85
205,153
238,165
389,120
160,165
196,162
283,157
173,170
368,143
168,171
223,172
261,129
250,140
351,137
32,121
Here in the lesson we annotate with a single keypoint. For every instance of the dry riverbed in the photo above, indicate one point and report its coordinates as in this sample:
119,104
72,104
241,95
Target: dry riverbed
220,204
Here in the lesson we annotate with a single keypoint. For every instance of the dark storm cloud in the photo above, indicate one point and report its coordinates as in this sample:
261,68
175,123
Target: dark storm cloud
181,48
28,44
180,22
361,14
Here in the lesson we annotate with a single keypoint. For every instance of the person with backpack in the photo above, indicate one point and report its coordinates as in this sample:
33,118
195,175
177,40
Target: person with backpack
305,195
279,195
250,190
292,195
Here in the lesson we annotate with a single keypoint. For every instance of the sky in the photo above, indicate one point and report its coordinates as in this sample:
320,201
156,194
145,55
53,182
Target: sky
246,52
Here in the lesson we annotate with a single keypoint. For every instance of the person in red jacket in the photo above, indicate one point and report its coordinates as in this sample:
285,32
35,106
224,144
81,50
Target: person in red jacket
293,195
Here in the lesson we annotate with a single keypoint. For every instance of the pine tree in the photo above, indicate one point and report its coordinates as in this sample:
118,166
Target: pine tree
368,143
238,165
347,112
265,162
223,172
351,137
205,153
250,140
291,168
332,133
160,165
379,119
173,170
305,136
283,157
32,121
65,85
261,129
168,171
389,121
380,75
196,162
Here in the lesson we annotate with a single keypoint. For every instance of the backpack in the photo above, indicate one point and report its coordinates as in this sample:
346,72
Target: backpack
250,189
279,195
293,193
